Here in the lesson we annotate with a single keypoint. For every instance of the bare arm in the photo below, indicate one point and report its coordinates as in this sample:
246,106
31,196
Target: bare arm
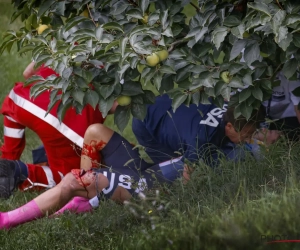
29,71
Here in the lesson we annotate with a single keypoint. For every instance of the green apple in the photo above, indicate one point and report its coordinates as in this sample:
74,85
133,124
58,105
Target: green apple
85,13
41,28
124,100
152,60
77,64
140,67
225,76
145,19
246,34
162,54
264,54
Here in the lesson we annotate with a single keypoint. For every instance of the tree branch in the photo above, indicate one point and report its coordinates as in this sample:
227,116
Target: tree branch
172,45
279,5
133,3
195,6
87,6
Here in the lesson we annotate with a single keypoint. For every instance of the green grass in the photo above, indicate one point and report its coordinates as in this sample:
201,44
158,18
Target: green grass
233,207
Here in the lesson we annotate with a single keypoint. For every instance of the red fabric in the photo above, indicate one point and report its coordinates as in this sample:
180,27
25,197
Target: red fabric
12,147
37,174
63,155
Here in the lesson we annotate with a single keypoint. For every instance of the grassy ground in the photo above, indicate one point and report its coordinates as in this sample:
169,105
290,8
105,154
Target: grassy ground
238,206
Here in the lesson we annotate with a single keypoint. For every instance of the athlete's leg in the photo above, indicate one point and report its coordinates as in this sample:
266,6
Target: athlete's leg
54,198
116,153
95,138
118,184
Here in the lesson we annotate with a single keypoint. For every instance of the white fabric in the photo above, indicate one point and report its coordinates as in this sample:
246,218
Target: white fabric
13,132
94,202
49,175
11,119
283,100
165,163
50,119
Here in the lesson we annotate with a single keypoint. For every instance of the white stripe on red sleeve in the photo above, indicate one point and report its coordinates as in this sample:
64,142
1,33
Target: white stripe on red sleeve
13,132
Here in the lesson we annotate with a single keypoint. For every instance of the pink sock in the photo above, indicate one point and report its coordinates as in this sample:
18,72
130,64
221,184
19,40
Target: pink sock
76,205
28,212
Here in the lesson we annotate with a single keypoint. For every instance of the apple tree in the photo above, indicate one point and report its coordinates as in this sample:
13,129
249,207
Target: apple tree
105,50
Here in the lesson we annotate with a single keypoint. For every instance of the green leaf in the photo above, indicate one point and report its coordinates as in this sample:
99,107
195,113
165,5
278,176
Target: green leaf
296,39
111,45
63,108
74,21
235,68
291,19
92,98
257,93
236,83
231,21
157,80
167,69
153,18
246,110
247,79
118,8
105,105
99,33
149,97
67,72
78,95
252,53
244,95
226,92
164,19
132,88
44,7
290,68
238,31
138,110
122,116
178,100
262,7
33,78
218,36
144,5
237,47
123,43
86,32
204,80
285,43
106,90
168,32
135,13
113,26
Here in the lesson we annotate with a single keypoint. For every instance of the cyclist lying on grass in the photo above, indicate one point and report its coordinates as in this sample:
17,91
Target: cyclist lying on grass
126,173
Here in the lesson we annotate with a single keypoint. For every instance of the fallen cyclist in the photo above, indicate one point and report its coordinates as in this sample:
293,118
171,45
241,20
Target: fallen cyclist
126,173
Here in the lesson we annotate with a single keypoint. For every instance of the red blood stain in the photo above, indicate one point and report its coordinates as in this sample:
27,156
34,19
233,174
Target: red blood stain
92,151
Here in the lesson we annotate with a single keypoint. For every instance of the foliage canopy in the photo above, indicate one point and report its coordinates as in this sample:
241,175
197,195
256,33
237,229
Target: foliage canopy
99,48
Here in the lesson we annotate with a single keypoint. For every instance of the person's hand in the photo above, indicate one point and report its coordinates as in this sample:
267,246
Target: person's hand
186,173
268,136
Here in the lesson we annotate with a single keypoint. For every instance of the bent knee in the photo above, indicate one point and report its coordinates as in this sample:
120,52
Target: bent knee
95,129
69,182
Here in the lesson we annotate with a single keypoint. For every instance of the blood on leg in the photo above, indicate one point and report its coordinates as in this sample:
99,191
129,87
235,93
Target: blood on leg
91,150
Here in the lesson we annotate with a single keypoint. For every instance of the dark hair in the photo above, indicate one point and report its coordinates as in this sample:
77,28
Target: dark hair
257,117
